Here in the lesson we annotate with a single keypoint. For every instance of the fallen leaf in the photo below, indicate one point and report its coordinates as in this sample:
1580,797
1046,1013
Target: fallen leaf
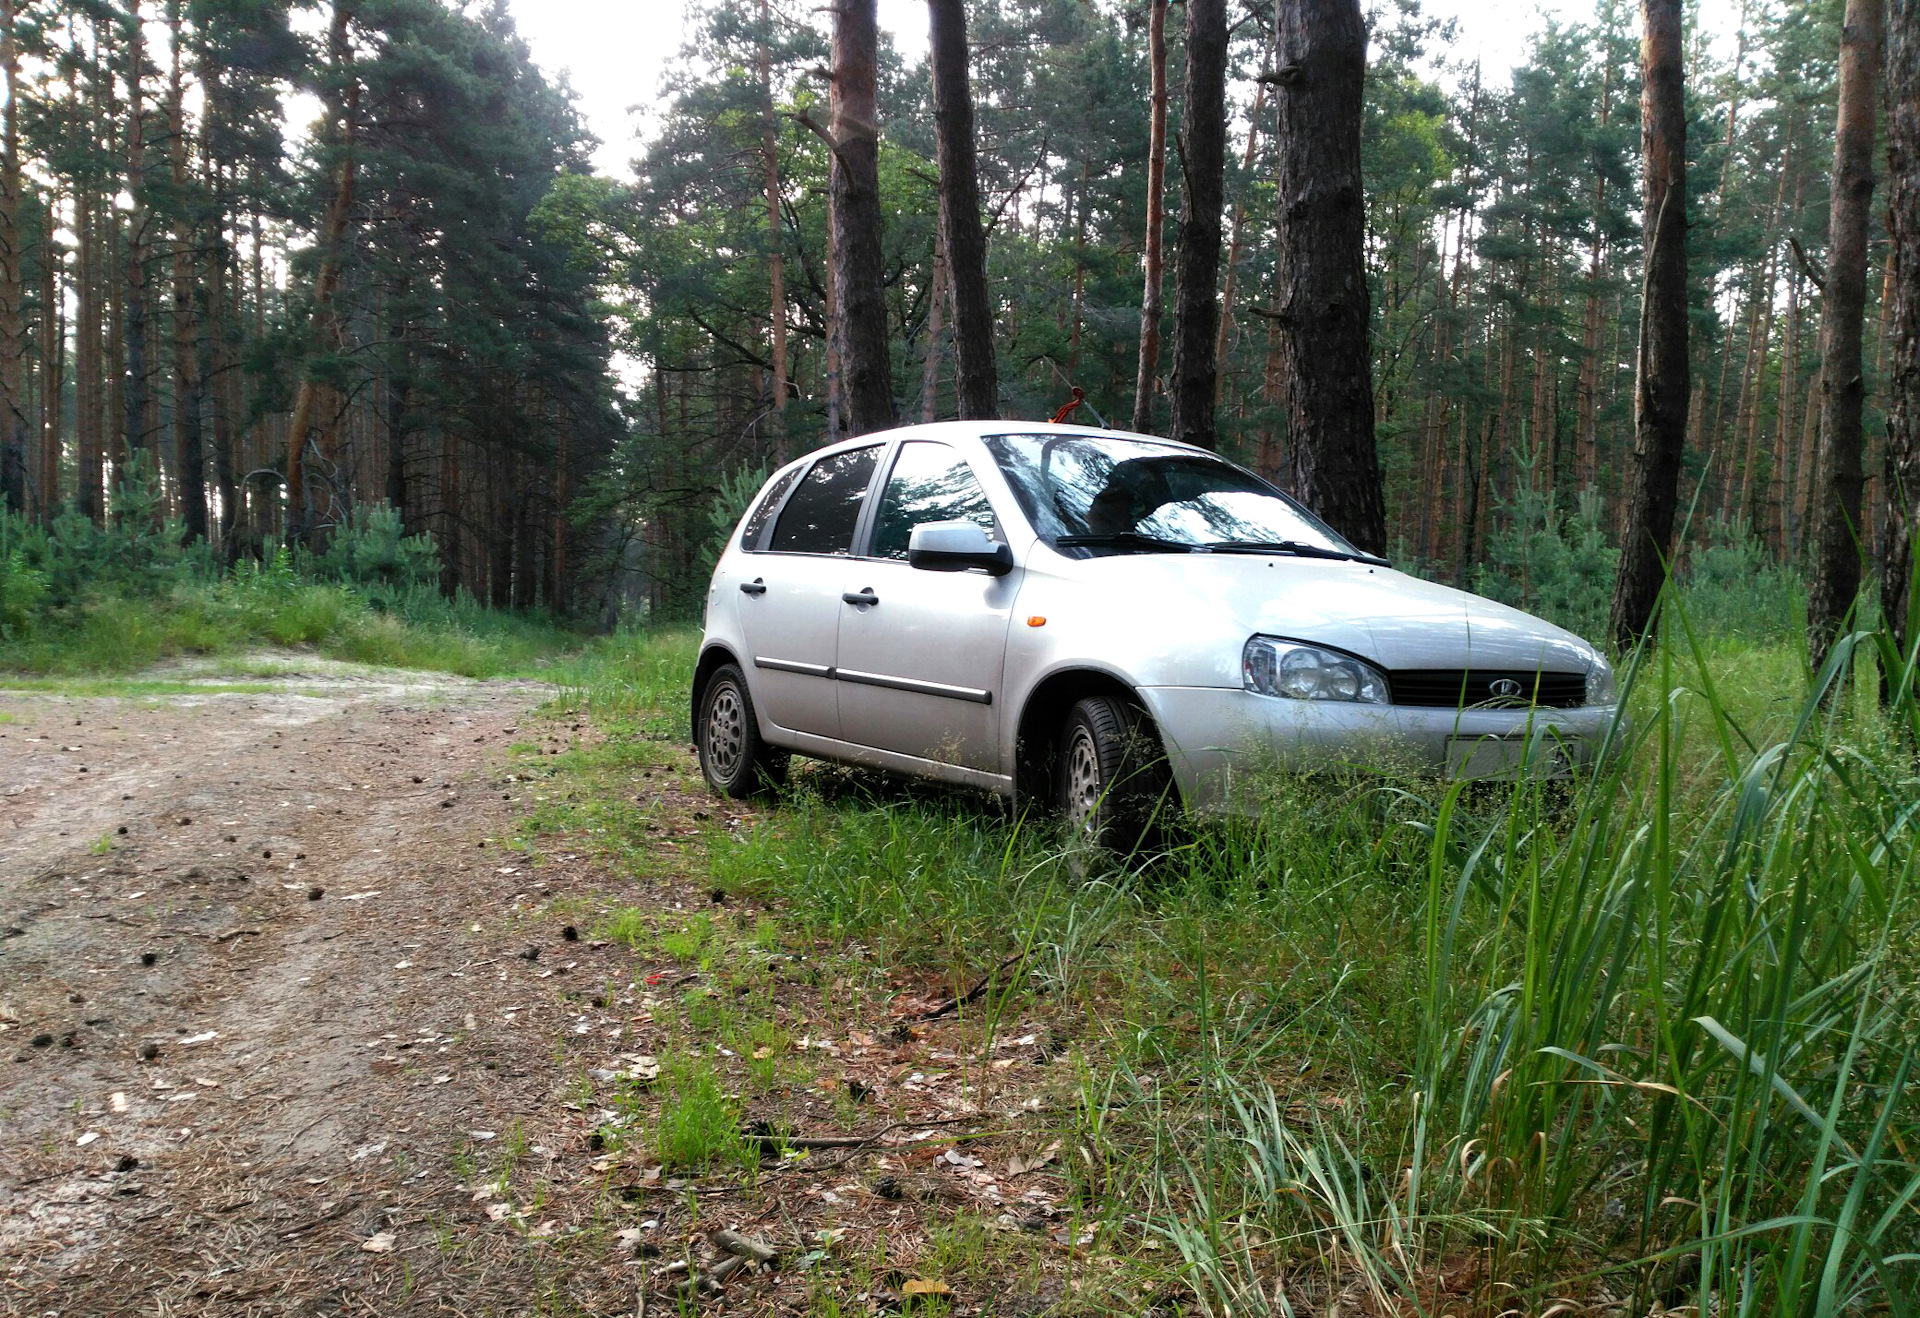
201,1038
87,1138
380,1242
1020,1166
921,1286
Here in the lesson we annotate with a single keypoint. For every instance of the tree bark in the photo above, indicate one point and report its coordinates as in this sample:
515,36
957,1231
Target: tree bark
1149,363
53,366
141,406
86,354
1661,374
1196,321
776,255
333,233
975,379
1838,474
188,397
1902,485
1234,234
13,343
1319,275
860,319
936,326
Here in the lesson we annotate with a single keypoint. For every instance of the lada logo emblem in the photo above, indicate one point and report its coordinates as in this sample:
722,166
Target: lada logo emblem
1505,687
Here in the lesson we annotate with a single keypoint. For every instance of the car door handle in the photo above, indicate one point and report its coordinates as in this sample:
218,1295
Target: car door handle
863,597
755,587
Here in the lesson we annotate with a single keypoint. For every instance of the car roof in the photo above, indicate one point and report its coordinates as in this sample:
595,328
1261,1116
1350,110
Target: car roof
952,431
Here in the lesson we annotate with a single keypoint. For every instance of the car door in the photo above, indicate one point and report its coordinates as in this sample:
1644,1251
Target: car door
920,665
790,593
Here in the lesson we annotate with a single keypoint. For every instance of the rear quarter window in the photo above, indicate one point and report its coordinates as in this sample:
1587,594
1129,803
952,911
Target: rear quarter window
757,519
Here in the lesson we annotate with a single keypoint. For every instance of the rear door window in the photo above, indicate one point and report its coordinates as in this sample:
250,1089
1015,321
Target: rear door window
821,515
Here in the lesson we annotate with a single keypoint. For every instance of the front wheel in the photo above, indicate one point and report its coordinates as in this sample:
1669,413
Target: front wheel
1112,779
733,758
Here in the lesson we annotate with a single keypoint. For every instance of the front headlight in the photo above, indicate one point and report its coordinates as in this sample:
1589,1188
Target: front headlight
1600,686
1275,667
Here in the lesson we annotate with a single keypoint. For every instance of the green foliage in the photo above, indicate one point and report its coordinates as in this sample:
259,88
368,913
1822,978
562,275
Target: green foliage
372,550
698,1129
81,599
1734,587
1550,563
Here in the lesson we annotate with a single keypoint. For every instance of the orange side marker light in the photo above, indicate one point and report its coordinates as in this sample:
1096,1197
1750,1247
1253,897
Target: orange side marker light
1036,621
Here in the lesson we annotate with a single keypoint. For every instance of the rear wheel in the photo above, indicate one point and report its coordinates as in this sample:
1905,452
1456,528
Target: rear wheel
734,759
1111,776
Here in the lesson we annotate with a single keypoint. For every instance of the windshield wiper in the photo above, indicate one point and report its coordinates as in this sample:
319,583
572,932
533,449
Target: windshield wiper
1125,540
1295,548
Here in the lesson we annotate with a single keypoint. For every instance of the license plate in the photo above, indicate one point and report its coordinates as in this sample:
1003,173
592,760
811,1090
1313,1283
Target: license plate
1485,757
1504,757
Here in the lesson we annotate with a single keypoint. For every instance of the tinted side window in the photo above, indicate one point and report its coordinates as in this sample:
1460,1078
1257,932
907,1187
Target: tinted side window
763,511
930,483
820,517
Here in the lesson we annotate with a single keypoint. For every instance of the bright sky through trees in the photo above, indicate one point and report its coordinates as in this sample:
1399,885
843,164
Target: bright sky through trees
613,51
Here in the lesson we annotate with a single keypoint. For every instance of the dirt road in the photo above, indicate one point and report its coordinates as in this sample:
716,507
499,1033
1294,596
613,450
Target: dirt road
263,977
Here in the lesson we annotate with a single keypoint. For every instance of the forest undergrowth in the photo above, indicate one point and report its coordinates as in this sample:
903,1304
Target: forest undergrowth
79,599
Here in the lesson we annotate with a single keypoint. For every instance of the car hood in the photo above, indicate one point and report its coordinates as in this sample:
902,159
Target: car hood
1393,619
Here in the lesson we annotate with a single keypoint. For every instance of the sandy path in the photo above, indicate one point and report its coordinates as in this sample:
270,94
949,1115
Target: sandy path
214,1085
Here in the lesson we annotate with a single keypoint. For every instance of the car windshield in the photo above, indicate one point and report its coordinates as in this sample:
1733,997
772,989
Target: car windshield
1105,494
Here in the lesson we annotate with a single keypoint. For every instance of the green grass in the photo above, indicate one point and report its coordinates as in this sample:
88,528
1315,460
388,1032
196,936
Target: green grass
115,633
1651,1034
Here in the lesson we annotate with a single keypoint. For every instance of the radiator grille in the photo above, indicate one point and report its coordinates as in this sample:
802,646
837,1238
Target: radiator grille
1453,688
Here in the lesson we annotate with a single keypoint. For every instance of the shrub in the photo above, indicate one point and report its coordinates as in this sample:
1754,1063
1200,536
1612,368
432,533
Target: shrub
1557,565
1732,586
372,550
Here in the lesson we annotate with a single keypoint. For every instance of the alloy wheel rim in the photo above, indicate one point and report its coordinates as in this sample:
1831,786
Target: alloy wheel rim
726,733
1083,781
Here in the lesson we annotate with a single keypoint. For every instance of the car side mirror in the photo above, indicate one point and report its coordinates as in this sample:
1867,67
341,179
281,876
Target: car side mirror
955,547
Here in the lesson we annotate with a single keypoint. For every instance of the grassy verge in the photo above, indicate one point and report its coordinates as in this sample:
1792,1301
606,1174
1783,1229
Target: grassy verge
124,632
1649,1041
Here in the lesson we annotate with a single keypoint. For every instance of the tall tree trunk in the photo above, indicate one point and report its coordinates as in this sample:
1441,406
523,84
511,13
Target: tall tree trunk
53,366
1902,487
86,354
860,320
1203,125
776,253
1319,275
1082,203
936,326
1228,289
1838,475
189,385
1778,487
140,403
333,232
1586,461
975,380
13,339
1660,403
219,329
1149,364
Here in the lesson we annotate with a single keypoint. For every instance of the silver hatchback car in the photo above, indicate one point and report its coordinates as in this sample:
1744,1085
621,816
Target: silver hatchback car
1106,622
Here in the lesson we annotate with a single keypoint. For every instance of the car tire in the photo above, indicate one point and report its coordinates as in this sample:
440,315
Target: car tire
734,759
1111,778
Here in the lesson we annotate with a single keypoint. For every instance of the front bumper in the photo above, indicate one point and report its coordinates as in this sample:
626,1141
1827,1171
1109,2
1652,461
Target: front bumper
1221,741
